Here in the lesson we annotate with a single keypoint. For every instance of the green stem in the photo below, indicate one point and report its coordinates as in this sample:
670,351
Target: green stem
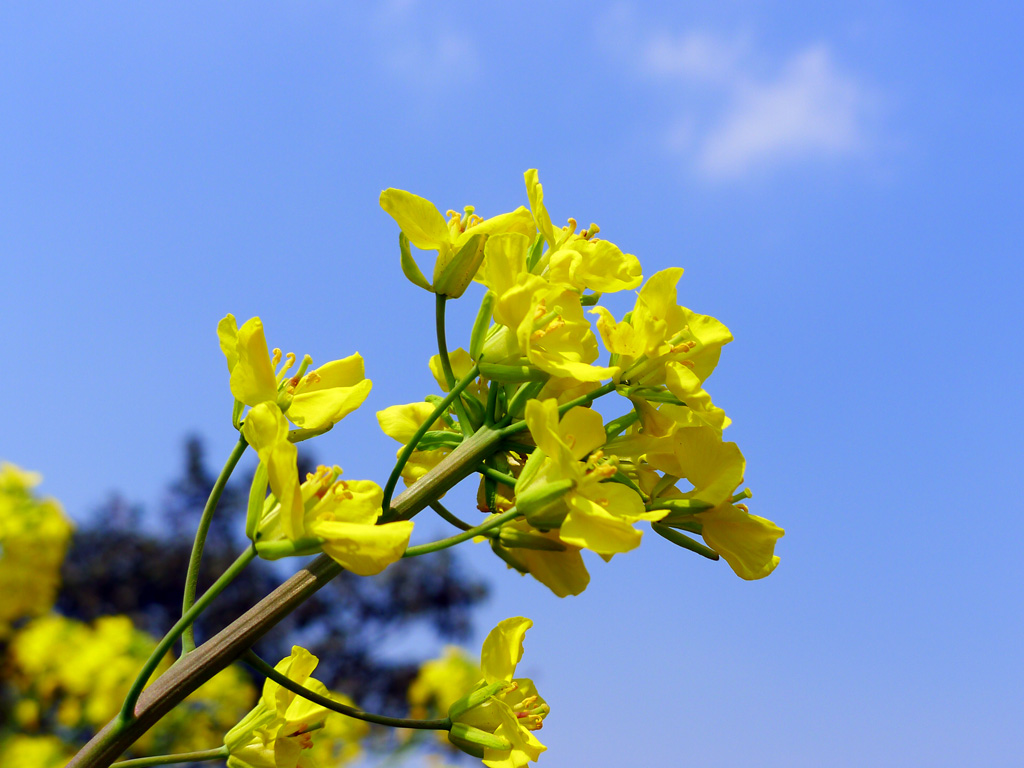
494,474
128,708
184,757
444,514
250,658
492,403
586,399
446,364
188,638
451,541
407,451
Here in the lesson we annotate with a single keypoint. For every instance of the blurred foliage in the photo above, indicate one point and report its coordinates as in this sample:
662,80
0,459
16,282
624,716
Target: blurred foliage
65,674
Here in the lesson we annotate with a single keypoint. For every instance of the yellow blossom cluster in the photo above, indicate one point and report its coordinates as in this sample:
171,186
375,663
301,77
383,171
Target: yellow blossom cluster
577,482
34,535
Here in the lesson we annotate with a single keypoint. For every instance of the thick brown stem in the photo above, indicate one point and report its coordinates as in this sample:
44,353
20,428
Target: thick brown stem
211,657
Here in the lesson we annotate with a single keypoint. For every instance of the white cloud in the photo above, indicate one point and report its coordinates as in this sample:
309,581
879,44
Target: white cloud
809,111
732,109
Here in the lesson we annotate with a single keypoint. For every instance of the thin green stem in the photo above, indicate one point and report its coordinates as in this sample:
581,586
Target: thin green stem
250,658
494,474
444,514
184,757
492,403
188,638
128,708
446,364
451,541
586,399
407,451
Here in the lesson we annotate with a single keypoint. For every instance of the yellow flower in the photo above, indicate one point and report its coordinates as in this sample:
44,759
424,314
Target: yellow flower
315,400
496,719
34,751
278,732
580,261
592,514
459,242
660,331
338,517
34,535
544,323
715,468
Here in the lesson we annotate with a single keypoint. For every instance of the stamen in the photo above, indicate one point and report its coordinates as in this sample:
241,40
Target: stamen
275,358
289,361
572,224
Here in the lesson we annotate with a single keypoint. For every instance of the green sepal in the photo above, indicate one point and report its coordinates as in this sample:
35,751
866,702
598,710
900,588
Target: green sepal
438,439
682,506
475,698
257,498
544,507
236,414
298,435
513,539
459,272
622,479
476,411
481,325
512,373
517,405
684,541
590,299
510,559
409,266
276,550
473,741
533,255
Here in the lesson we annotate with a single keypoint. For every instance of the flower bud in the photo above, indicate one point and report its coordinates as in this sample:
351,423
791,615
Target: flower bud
452,275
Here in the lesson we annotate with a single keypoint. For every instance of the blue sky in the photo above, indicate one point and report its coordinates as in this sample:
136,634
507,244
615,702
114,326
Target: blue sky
841,183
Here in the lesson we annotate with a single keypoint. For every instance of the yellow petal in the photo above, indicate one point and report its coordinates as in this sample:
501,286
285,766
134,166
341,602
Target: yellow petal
252,377
503,648
318,408
417,217
366,550
747,542
504,261
535,194
582,430
590,525
401,421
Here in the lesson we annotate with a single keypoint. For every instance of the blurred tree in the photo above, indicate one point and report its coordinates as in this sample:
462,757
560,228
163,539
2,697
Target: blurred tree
119,564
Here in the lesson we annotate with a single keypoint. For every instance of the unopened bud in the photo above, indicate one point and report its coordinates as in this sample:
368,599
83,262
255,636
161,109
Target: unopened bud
453,276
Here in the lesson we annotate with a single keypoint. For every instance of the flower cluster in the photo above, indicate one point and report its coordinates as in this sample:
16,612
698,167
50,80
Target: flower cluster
34,535
577,481
285,730
494,714
323,513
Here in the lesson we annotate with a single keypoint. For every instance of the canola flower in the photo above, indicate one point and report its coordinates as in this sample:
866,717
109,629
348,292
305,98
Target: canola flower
496,720
34,535
514,412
